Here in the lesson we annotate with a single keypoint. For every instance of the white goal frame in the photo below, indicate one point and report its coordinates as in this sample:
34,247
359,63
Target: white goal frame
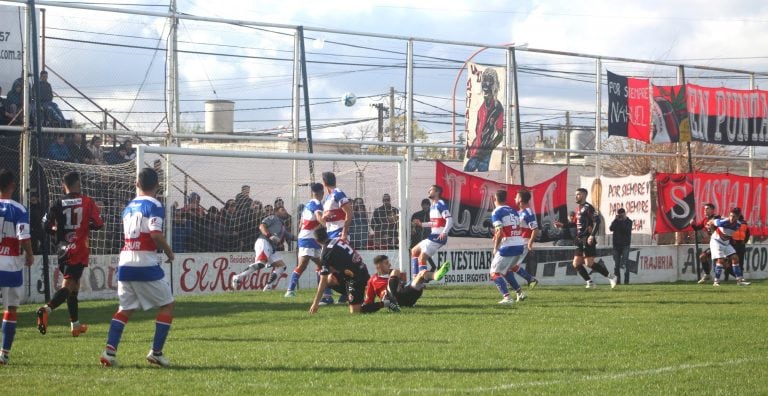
402,178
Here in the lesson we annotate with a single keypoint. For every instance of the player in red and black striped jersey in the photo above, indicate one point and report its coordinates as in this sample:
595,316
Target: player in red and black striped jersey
342,269
705,258
70,219
390,286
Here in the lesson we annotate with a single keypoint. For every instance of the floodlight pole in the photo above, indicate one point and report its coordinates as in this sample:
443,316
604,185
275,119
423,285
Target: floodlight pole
307,119
516,104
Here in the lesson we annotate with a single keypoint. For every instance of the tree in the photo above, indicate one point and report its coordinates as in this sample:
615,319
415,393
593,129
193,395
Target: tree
640,164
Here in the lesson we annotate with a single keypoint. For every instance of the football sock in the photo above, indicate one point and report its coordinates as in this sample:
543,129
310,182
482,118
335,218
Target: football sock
737,272
162,326
9,330
392,285
501,284
116,328
59,297
583,272
706,267
600,268
414,266
294,280
277,273
522,272
73,307
718,271
245,274
510,277
328,293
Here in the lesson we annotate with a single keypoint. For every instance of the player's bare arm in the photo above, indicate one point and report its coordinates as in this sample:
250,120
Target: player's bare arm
160,242
321,285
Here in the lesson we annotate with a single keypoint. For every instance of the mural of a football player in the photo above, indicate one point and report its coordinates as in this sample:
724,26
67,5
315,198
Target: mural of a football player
489,130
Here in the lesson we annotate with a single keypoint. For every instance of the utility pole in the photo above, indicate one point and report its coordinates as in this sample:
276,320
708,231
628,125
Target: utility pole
392,118
380,109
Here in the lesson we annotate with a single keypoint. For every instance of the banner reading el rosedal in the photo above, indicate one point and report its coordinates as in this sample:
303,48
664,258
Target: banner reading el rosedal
470,200
677,194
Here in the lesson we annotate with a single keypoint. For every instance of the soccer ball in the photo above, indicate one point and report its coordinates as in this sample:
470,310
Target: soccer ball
349,99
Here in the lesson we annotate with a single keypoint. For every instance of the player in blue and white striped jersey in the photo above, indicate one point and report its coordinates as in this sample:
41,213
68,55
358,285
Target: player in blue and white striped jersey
309,249
508,248
440,221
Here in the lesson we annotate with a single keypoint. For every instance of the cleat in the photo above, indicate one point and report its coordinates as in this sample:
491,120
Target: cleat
236,282
82,329
42,320
267,287
393,306
507,301
704,279
521,296
742,282
590,284
343,299
533,283
107,360
716,283
290,294
613,281
158,359
326,300
444,268
4,359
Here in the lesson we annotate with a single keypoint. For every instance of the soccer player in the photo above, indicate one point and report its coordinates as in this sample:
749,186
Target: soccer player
508,248
337,218
441,223
70,219
309,249
272,235
722,249
389,285
342,269
14,239
706,256
587,227
530,228
140,282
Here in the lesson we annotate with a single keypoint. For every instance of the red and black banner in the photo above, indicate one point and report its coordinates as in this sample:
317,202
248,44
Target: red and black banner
728,116
669,115
470,200
677,194
629,107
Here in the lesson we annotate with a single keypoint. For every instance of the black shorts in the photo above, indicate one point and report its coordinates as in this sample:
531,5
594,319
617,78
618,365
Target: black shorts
71,271
353,287
407,296
585,249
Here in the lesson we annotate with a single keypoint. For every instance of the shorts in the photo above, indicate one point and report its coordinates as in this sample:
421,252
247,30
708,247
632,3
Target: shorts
429,247
265,253
144,295
71,271
407,296
720,249
353,287
502,264
309,252
585,249
12,296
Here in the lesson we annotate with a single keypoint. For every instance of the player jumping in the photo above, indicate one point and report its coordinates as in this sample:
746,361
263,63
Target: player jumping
273,233
441,223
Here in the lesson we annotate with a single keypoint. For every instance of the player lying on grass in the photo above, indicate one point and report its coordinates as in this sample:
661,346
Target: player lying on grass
389,285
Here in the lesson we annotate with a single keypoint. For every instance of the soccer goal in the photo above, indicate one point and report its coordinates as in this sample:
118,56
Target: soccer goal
215,199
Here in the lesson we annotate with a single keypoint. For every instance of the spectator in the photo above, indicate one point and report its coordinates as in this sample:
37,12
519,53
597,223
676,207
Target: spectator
116,156
622,237
3,112
79,151
359,229
130,152
567,234
58,150
384,223
234,240
14,103
243,198
36,223
97,152
52,115
420,233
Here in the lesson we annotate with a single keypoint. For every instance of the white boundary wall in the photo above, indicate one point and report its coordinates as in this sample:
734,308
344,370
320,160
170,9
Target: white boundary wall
206,273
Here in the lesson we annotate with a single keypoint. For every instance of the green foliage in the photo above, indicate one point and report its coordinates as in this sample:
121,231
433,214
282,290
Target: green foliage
637,339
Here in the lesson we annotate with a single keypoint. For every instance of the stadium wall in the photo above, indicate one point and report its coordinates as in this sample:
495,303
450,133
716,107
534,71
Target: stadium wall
205,273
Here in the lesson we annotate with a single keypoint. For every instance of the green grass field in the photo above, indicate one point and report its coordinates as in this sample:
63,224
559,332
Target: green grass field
637,339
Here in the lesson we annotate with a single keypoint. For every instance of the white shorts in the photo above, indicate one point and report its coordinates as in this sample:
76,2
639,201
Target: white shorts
12,296
429,247
720,249
311,252
265,253
144,295
502,264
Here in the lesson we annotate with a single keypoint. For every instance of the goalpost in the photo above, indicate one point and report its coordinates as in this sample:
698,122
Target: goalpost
201,184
